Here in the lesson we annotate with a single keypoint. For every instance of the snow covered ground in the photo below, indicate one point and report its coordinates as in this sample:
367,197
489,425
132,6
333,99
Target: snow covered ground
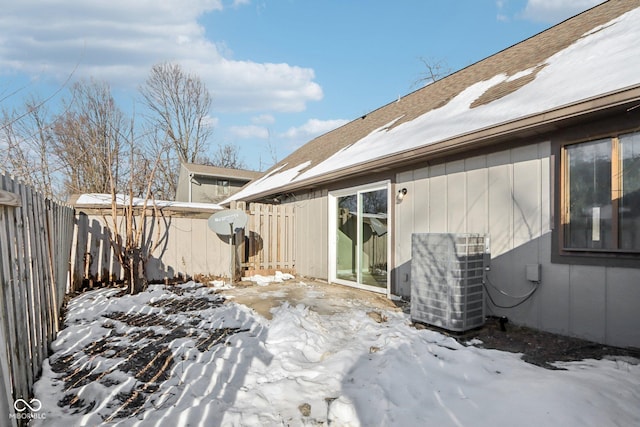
177,356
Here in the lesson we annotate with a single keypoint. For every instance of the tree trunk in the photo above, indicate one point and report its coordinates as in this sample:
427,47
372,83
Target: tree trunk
136,272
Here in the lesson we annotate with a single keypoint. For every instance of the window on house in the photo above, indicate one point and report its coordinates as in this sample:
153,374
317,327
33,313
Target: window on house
223,187
602,195
629,205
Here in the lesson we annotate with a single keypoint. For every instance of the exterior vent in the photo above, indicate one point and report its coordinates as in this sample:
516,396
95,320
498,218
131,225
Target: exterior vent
447,271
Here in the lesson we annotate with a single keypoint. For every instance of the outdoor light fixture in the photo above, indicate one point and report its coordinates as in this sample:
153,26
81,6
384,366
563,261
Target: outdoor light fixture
401,194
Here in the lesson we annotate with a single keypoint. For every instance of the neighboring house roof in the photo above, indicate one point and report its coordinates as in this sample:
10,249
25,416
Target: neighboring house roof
581,66
215,171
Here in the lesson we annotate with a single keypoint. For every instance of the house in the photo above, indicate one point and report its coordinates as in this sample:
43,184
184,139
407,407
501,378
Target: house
210,184
536,147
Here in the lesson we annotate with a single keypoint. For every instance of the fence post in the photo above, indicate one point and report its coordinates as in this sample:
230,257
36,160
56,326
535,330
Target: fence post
7,201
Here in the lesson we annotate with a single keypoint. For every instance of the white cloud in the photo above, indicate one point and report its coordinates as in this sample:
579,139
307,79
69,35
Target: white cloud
554,11
118,41
211,122
313,128
247,86
501,16
248,132
263,119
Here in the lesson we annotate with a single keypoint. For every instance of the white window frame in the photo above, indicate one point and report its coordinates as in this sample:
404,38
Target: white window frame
333,206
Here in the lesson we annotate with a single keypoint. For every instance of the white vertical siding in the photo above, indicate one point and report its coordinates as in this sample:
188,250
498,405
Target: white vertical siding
407,220
477,195
421,199
437,212
500,189
526,195
456,208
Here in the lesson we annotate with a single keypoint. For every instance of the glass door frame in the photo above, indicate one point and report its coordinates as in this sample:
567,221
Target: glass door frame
333,240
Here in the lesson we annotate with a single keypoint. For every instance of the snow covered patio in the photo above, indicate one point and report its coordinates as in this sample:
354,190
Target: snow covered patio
307,353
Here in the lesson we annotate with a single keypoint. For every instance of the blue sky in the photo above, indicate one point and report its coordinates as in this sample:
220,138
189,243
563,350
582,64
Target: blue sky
281,72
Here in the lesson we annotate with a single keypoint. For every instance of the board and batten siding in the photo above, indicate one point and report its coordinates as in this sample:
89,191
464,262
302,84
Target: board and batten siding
311,234
507,195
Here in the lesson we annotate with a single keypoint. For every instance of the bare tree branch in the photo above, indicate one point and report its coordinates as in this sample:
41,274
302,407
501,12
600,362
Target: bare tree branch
127,244
179,105
28,142
435,69
227,156
87,139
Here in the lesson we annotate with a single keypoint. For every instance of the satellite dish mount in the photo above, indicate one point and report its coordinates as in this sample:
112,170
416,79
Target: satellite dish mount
228,223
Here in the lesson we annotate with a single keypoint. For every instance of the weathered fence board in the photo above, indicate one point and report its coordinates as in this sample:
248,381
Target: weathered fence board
268,238
9,346
35,245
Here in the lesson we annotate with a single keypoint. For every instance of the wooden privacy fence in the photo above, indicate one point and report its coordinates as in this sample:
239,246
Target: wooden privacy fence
184,245
188,247
35,246
268,238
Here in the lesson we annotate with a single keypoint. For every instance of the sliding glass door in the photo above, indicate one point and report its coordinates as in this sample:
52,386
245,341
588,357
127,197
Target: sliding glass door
360,243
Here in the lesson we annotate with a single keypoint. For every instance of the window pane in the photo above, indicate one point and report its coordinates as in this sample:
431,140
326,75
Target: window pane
223,187
589,198
373,255
347,238
629,203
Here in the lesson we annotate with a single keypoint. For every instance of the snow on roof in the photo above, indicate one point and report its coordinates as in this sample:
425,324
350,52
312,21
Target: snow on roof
273,179
93,199
604,60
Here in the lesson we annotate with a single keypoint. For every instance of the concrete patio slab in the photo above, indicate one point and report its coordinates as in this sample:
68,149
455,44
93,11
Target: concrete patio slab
322,297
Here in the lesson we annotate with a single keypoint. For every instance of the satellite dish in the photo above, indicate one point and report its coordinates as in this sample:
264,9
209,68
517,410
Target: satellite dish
228,222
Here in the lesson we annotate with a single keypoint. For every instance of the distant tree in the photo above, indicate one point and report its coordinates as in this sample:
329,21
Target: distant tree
434,70
26,140
87,138
92,145
166,176
273,151
27,136
227,156
178,105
